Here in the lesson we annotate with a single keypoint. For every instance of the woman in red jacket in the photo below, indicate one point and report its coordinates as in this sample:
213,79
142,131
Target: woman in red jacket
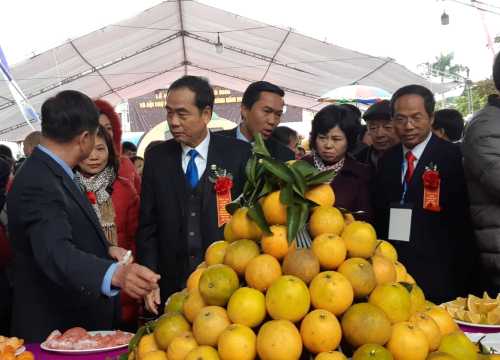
116,204
110,120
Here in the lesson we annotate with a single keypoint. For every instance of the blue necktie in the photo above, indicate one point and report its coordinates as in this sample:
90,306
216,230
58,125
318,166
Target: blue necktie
192,170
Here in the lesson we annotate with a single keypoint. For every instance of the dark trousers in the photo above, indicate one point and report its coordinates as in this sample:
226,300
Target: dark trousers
5,303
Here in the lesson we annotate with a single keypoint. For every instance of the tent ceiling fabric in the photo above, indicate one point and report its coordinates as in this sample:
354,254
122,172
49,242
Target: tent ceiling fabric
151,50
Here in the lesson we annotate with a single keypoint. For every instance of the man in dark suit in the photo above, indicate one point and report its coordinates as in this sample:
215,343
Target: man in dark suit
65,272
179,216
439,253
261,111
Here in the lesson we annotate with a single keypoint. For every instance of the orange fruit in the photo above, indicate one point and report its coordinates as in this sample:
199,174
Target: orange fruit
175,302
360,239
443,319
276,244
209,324
330,355
247,307
202,265
400,271
180,346
237,342
274,210
322,195
409,279
194,279
153,355
408,342
169,326
242,227
458,345
279,339
330,250
215,253
26,355
320,331
372,352
301,263
217,284
360,274
262,271
147,343
239,253
326,219
417,298
365,323
429,327
438,355
203,353
228,232
384,269
331,291
192,305
393,299
386,249
288,299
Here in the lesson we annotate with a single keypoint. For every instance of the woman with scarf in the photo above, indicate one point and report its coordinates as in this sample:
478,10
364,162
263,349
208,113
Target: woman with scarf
116,204
333,135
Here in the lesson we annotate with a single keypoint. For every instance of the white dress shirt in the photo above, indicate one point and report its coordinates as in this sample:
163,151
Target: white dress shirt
417,151
201,159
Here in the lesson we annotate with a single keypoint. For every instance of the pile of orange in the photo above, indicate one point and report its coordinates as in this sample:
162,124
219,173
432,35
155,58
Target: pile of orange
256,296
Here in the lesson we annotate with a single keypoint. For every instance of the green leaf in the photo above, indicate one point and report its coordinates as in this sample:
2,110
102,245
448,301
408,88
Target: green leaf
250,169
321,178
266,188
259,147
257,215
123,356
277,169
300,181
304,168
304,214
293,221
235,205
286,195
135,340
407,286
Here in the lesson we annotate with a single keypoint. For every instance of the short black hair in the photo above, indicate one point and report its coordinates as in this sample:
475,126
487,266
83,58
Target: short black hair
67,115
6,151
129,146
451,121
496,71
330,117
203,92
252,93
283,134
422,91
352,108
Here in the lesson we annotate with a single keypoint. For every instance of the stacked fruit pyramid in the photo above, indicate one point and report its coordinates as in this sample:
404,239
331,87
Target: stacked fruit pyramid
259,295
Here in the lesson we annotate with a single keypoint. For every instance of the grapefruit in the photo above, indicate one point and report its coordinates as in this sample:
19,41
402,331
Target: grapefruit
242,227
192,305
384,269
209,324
385,249
365,323
458,345
360,274
322,195
331,291
330,250
288,299
372,352
330,355
320,331
239,253
408,342
203,353
215,253
180,346
217,284
326,219
360,239
247,307
167,327
429,327
275,244
237,342
443,319
301,263
274,210
262,271
393,299
175,302
279,340
193,280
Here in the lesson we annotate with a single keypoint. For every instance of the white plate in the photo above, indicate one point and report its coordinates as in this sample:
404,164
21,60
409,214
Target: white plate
484,326
489,341
20,350
87,351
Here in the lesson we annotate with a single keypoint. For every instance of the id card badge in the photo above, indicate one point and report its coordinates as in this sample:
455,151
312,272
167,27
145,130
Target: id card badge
400,222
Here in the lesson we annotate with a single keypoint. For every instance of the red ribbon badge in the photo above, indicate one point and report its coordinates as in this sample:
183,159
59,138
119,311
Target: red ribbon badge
432,183
223,186
91,196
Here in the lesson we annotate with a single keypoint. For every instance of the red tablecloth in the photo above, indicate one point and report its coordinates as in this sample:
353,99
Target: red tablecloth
45,355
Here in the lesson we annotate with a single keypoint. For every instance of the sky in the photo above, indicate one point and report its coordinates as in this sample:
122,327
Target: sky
408,31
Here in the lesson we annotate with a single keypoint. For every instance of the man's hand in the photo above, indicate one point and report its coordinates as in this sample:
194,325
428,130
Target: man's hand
118,253
152,301
136,280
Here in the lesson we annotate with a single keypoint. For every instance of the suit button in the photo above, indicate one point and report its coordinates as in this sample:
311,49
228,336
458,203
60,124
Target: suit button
191,233
193,214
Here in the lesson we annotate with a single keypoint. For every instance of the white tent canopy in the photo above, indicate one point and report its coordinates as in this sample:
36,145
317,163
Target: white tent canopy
177,37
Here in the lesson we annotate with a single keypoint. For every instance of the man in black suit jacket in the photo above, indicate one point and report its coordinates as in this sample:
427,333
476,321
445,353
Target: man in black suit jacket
261,111
179,213
65,274
439,254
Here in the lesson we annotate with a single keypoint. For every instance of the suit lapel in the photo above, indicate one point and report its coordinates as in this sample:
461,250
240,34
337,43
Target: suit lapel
396,162
212,157
178,177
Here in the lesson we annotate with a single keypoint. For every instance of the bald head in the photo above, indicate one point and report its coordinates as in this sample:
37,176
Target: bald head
31,141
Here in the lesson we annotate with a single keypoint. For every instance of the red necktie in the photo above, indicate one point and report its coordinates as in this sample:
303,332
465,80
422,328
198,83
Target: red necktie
410,162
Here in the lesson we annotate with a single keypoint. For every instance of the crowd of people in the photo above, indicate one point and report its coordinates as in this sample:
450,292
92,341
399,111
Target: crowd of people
93,235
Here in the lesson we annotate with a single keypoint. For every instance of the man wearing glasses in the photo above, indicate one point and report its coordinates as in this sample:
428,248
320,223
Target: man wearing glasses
421,201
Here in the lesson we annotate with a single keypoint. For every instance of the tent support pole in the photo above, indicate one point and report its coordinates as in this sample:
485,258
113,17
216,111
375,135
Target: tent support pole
276,53
181,19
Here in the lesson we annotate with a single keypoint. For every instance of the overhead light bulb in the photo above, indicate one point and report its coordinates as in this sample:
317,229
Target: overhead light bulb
219,48
445,18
